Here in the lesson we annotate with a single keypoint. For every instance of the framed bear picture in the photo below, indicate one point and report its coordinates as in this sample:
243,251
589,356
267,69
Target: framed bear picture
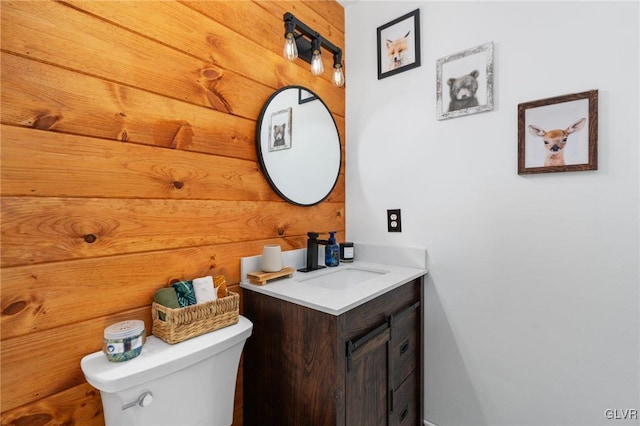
465,82
280,134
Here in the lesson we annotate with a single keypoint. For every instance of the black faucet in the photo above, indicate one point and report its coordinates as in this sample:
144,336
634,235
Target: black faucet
312,252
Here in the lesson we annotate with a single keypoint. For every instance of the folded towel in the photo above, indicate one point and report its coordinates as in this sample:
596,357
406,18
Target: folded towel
220,284
168,297
184,290
203,288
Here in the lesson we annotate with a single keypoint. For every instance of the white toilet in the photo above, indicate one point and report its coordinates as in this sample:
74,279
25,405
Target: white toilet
189,383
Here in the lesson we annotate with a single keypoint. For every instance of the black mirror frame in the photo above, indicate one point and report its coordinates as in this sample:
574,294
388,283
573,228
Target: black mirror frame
258,141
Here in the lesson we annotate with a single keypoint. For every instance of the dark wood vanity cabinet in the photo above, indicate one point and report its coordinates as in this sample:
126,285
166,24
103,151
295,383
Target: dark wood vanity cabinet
303,367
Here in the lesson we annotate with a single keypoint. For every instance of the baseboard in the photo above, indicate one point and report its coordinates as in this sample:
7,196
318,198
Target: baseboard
428,423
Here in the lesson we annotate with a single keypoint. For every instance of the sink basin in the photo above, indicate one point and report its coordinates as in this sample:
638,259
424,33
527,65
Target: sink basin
341,279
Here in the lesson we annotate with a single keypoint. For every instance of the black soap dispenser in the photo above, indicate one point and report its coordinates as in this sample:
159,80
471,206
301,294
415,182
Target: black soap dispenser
332,251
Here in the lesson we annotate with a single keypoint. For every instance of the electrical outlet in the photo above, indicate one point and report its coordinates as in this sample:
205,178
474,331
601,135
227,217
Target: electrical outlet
393,221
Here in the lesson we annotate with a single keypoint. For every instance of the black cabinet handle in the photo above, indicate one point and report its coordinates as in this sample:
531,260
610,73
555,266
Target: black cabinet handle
404,414
404,348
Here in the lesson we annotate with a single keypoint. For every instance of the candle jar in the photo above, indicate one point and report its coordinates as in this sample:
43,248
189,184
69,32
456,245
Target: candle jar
271,258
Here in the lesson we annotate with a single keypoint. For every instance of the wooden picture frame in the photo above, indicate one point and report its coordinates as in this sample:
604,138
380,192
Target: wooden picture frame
464,82
558,134
399,45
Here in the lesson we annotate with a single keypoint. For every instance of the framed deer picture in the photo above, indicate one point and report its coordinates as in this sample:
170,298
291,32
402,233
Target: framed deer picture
558,134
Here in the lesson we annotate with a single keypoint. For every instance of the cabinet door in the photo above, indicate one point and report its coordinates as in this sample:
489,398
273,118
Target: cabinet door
404,407
366,380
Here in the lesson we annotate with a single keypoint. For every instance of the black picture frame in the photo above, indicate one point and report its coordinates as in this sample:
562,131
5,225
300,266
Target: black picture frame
399,45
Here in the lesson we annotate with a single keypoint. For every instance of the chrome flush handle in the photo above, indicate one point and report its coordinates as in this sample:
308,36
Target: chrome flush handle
144,400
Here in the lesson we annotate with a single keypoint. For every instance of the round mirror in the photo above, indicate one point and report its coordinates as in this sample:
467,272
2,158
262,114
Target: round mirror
298,146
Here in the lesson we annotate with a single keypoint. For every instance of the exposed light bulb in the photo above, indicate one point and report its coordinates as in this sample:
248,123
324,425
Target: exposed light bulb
290,51
317,67
338,76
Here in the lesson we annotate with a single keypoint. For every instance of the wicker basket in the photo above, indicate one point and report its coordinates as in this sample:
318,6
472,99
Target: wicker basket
184,323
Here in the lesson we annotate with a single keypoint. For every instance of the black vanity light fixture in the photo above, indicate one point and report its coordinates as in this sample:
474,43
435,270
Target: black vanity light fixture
303,42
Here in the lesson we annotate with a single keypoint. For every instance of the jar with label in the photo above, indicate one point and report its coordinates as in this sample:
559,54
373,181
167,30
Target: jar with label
346,252
124,340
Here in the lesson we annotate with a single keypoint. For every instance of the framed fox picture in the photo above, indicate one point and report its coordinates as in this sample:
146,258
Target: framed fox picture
399,45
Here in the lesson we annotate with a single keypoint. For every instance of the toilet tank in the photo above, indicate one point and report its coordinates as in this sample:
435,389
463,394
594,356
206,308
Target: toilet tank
189,383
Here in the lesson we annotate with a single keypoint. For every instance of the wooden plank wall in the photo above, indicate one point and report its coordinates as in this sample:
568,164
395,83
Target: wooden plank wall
128,160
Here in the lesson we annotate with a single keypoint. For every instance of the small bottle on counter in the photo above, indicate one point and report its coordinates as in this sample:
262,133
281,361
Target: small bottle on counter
332,251
346,252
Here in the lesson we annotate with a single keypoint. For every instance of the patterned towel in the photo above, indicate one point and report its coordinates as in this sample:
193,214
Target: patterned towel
186,295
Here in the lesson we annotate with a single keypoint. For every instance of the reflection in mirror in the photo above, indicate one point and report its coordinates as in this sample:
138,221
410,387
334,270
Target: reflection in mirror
298,146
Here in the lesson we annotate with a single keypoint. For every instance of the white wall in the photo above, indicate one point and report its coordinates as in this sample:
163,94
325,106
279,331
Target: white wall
533,292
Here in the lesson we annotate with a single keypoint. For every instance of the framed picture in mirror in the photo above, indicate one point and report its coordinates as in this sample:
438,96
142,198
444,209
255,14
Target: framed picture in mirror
280,130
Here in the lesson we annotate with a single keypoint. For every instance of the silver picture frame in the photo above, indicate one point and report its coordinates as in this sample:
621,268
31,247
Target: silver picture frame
464,83
280,132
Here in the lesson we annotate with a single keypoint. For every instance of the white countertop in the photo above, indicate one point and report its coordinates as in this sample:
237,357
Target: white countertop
337,300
